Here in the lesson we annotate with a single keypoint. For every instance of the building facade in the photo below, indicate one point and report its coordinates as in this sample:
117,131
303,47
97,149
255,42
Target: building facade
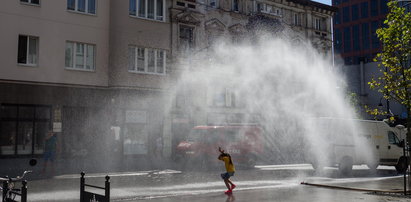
355,26
103,74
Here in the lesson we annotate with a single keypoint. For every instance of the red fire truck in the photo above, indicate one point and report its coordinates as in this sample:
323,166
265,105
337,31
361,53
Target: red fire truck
243,142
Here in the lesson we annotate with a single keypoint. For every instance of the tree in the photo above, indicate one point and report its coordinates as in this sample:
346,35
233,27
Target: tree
395,57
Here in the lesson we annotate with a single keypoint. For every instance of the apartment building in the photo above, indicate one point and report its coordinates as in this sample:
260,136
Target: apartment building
102,74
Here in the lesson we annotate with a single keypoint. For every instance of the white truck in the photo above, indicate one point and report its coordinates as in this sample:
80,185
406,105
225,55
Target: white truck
347,142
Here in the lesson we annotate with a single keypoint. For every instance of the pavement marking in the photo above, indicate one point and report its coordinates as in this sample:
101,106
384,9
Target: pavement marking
119,174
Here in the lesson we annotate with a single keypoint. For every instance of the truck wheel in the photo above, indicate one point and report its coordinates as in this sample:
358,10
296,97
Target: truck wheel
402,165
318,167
345,166
372,165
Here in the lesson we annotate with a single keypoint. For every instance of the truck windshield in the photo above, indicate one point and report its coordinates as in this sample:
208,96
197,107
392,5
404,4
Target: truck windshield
203,135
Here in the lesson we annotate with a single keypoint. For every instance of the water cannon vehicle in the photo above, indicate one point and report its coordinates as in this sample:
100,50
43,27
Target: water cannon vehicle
244,142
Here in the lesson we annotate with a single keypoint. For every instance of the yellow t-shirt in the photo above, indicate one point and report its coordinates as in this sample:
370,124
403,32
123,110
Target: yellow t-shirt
229,167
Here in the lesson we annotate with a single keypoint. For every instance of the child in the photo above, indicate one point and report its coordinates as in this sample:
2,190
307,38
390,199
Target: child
229,166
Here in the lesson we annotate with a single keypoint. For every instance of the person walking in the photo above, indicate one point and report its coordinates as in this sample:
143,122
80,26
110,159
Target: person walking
50,150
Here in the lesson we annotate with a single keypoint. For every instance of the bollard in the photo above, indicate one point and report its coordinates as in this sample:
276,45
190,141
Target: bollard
107,188
5,187
24,191
82,186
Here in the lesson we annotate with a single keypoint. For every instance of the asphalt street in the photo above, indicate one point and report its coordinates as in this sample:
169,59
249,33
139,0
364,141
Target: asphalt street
264,183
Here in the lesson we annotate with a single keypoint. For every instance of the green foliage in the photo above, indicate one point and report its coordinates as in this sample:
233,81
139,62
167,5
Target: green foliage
395,82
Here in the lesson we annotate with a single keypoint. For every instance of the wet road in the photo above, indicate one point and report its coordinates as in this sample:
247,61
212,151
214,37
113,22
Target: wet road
264,183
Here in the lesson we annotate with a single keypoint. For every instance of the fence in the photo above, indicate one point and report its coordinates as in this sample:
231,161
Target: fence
86,196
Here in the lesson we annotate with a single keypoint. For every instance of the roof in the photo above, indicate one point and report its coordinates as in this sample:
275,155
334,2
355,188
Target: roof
315,4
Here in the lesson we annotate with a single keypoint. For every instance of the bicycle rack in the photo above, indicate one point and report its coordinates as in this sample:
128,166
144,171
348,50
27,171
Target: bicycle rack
22,192
86,196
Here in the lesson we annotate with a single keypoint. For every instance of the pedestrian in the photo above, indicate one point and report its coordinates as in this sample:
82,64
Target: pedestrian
229,166
50,147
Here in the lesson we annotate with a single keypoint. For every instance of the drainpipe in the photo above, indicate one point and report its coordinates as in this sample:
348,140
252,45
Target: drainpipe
362,77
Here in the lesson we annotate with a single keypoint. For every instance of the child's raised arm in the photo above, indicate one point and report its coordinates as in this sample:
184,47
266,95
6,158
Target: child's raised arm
220,150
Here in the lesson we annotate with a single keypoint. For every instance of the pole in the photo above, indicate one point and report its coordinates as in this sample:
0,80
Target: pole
5,187
107,188
82,187
405,173
24,191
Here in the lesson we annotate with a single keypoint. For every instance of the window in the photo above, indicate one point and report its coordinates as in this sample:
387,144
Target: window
318,23
347,39
27,50
23,128
356,37
235,5
224,97
337,17
186,38
346,14
268,9
374,8
383,7
149,9
375,42
80,56
146,60
213,3
365,33
392,138
364,10
136,133
338,41
34,2
83,6
354,12
297,19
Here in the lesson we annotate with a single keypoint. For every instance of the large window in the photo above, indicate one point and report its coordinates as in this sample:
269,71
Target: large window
149,9
374,8
364,10
23,128
146,60
27,50
136,133
223,97
80,56
83,6
347,40
213,3
297,19
338,40
346,14
235,5
383,7
365,35
318,23
375,42
356,37
354,12
186,38
337,17
34,2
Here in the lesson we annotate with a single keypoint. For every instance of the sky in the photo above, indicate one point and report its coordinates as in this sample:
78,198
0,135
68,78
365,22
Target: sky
328,2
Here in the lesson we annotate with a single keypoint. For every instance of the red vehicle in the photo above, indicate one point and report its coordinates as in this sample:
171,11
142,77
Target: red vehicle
243,142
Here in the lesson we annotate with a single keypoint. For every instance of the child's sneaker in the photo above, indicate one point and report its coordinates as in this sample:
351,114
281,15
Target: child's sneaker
233,186
228,191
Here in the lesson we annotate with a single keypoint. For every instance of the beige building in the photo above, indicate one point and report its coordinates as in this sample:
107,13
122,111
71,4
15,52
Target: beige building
102,73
